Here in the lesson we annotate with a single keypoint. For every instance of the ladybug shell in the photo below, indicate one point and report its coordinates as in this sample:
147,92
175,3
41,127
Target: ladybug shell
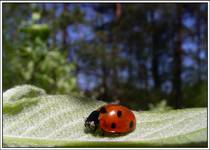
116,119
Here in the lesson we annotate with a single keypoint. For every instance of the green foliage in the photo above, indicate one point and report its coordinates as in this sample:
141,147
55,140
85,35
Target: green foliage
36,16
66,18
58,121
196,95
130,57
35,62
161,106
141,99
37,30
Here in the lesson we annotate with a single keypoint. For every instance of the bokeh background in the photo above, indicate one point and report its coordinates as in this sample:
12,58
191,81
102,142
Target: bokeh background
144,56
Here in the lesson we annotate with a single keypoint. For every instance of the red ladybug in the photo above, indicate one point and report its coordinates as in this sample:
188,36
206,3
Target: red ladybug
111,119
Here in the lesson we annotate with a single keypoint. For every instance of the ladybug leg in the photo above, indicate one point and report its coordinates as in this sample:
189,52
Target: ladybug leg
95,128
102,134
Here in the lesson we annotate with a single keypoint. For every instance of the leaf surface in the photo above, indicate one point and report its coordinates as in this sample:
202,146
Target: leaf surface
41,120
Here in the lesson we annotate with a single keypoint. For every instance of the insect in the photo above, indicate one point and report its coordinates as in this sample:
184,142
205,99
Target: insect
111,119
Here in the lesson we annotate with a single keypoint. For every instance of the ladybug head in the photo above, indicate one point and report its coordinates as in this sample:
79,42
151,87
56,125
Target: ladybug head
92,121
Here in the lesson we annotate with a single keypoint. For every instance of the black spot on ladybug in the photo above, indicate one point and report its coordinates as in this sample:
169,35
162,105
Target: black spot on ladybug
113,125
119,113
103,110
131,124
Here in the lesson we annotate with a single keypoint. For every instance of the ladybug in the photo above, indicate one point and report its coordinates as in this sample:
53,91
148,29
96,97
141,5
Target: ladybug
111,119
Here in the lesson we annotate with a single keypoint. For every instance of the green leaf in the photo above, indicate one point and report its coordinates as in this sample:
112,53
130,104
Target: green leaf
22,91
58,121
36,16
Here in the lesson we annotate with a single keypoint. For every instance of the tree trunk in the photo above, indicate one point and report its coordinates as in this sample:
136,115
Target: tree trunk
53,17
64,31
155,64
103,93
114,53
155,54
130,64
143,75
199,72
177,61
118,11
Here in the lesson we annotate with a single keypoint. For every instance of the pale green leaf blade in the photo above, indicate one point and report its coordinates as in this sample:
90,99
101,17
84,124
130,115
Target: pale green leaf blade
22,91
58,121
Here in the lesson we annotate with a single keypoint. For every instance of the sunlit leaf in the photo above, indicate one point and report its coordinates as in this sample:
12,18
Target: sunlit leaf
36,16
58,121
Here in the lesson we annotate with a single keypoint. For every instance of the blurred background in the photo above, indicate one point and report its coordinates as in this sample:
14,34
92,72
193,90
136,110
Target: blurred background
144,56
